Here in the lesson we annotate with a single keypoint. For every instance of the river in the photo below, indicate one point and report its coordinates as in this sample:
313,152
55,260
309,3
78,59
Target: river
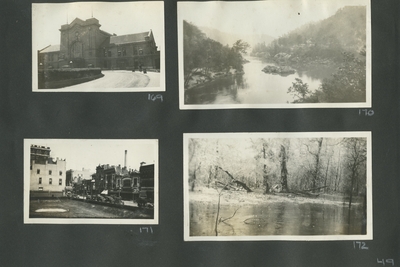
277,218
254,86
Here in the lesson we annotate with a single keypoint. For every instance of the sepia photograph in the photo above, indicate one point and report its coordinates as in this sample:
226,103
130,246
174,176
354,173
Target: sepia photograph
98,47
277,186
89,181
274,54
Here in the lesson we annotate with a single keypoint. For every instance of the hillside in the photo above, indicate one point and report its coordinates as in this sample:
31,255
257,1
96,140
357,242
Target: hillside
228,38
346,28
327,39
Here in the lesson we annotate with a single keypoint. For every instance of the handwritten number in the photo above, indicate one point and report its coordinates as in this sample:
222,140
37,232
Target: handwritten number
384,261
390,261
154,97
359,245
146,230
366,112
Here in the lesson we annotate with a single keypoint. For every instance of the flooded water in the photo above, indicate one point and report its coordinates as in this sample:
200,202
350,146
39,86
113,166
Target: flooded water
284,218
254,86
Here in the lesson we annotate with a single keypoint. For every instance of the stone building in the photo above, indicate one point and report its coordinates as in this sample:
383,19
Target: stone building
109,177
48,175
77,176
84,44
76,180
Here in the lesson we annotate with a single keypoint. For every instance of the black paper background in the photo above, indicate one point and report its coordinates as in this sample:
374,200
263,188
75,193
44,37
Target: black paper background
132,116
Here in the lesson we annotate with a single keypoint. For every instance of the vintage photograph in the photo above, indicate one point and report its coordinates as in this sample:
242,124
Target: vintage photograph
98,47
274,54
88,181
278,186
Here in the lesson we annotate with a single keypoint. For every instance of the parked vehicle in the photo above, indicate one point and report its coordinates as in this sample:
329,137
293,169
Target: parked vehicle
117,200
100,198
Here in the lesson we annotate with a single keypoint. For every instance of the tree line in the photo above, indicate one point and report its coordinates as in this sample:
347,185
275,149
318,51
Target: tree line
203,55
329,165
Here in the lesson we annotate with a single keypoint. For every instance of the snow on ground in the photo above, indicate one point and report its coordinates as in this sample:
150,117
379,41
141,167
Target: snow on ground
207,195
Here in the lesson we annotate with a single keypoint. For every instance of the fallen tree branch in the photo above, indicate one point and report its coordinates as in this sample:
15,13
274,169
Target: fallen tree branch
237,181
223,220
226,186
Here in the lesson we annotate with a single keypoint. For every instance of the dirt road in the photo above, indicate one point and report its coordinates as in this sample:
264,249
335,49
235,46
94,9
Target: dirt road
120,79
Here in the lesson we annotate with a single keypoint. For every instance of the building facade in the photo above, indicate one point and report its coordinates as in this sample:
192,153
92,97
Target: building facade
48,175
74,177
108,178
76,180
84,44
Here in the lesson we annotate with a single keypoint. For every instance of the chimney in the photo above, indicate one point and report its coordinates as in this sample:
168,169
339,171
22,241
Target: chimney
126,152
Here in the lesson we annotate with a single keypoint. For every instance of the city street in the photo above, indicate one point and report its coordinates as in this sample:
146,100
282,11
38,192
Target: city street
121,79
69,208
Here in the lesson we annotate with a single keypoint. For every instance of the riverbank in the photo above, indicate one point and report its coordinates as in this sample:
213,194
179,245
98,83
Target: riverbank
207,195
200,79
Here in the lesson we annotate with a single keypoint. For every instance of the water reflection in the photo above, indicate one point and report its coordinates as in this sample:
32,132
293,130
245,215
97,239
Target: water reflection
285,218
254,86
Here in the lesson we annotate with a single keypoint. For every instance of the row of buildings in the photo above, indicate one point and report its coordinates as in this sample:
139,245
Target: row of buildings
49,178
83,44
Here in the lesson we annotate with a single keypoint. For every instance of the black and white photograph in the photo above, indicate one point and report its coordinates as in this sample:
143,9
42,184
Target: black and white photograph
98,47
91,181
274,54
278,186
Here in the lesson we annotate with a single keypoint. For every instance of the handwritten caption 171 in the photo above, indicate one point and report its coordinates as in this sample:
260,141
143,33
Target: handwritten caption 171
146,230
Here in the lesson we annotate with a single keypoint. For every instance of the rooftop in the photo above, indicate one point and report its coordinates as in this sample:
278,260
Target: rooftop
50,48
81,22
130,38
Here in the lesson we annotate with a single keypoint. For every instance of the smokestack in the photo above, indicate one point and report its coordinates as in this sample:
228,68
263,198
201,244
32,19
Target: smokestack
126,152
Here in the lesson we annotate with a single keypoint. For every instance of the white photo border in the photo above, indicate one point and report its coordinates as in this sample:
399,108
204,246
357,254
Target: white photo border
369,220
26,167
160,88
183,106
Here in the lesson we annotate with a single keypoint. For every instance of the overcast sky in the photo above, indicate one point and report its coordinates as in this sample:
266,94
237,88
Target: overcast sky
90,153
119,18
274,18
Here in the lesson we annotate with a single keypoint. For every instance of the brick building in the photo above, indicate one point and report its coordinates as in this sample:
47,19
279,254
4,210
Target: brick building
48,175
109,177
84,44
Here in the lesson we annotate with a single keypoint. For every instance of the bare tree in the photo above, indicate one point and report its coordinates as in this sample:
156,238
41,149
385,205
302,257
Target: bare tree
356,158
317,158
284,173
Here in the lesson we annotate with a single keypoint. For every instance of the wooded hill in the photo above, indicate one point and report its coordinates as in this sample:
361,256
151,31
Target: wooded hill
204,57
327,39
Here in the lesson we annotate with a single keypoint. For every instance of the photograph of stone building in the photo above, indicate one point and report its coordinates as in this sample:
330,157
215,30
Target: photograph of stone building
91,50
84,44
